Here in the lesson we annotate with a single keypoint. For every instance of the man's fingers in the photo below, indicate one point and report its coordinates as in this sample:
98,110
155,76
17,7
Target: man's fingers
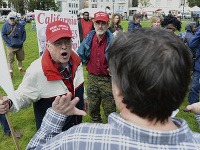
79,112
189,107
66,106
1,102
4,106
75,101
194,108
56,101
65,99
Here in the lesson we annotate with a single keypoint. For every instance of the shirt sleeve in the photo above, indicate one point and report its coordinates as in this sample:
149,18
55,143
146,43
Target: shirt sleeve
51,126
4,34
28,91
194,42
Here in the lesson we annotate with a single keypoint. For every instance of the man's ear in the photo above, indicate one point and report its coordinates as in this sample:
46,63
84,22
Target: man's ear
116,90
108,24
48,46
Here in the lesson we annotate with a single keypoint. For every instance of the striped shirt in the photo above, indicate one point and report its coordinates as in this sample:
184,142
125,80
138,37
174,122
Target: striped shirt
117,134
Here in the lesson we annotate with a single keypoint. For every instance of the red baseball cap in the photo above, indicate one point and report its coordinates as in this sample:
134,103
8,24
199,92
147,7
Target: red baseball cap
57,30
101,16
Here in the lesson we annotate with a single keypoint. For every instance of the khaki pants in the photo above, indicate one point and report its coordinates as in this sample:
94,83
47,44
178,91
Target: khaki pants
11,52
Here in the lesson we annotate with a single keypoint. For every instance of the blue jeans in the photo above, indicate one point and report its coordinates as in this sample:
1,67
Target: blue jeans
194,88
4,124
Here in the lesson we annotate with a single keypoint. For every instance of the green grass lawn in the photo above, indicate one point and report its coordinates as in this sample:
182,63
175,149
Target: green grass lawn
24,121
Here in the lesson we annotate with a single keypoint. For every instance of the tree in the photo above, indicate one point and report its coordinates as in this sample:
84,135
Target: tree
1,2
134,3
42,5
31,5
18,5
145,3
193,3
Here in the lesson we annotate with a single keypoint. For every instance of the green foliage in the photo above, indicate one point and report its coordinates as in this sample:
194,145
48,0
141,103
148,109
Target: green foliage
42,5
24,120
145,3
31,5
18,5
1,2
134,3
193,3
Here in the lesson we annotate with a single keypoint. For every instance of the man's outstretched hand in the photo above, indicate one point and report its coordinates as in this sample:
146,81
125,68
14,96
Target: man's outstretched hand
64,105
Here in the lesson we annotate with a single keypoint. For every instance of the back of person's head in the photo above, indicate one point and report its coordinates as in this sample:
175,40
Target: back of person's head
152,68
136,16
170,19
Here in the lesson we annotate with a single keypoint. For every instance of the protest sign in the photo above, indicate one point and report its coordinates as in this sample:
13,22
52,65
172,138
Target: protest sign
42,18
5,78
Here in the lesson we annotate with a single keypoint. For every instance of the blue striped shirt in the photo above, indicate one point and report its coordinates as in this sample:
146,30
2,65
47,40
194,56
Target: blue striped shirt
117,134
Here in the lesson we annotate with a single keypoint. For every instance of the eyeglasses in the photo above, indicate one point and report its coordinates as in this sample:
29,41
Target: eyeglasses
102,23
59,43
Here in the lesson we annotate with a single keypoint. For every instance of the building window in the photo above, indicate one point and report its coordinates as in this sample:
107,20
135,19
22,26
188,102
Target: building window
169,2
69,4
158,3
94,6
4,5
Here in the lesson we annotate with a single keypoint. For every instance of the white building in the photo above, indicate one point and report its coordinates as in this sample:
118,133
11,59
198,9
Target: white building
71,6
167,5
5,8
125,8
116,6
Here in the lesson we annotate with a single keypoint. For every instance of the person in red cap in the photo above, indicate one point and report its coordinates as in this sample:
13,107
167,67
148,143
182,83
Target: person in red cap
93,52
144,93
57,72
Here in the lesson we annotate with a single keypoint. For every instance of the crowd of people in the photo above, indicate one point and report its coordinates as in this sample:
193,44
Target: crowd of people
135,72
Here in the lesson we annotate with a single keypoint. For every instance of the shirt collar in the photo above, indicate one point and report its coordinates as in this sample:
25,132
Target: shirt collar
151,136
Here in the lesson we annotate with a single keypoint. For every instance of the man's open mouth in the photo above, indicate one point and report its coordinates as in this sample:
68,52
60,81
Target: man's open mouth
64,55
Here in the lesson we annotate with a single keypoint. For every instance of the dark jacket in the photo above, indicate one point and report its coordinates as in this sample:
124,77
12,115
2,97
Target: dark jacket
17,38
132,26
195,43
189,33
85,47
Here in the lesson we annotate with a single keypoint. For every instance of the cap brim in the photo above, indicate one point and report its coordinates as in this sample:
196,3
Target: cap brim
58,36
105,20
